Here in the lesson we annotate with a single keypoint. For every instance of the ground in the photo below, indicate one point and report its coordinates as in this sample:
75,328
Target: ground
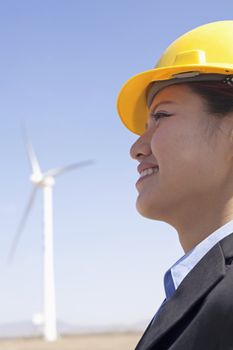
107,341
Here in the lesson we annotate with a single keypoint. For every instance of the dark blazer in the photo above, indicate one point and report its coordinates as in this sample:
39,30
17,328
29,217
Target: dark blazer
199,316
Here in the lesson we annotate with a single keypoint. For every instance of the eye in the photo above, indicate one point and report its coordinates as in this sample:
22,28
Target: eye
158,115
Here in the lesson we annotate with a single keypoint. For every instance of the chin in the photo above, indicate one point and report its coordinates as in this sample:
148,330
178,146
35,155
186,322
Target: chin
148,210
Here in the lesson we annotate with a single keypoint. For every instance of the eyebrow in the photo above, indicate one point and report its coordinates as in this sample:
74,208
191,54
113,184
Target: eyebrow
159,104
163,102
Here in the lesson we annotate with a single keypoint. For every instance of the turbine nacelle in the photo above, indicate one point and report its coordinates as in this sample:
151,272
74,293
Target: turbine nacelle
36,178
42,180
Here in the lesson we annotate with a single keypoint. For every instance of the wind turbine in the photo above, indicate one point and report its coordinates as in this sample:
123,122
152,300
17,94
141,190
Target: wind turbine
46,181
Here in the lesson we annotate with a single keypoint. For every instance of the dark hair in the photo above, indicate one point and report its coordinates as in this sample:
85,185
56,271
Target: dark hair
218,96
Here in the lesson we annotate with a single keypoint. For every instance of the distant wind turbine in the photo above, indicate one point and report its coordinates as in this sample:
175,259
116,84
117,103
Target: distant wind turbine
46,182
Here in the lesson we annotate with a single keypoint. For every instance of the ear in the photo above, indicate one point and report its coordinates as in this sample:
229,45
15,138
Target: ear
231,136
230,142
226,127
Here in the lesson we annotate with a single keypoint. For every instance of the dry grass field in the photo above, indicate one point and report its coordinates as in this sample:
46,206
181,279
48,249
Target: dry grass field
107,341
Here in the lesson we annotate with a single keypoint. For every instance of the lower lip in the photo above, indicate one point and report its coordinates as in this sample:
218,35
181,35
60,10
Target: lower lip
145,177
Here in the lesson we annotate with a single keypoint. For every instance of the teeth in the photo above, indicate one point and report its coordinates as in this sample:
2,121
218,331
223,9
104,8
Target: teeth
149,171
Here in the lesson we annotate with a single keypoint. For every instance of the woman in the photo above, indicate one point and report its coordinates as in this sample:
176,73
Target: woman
182,111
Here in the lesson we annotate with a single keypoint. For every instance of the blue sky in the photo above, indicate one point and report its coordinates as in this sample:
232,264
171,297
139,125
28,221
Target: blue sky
62,65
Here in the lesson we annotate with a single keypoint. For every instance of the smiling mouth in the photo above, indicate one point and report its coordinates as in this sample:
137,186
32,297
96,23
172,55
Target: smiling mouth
149,171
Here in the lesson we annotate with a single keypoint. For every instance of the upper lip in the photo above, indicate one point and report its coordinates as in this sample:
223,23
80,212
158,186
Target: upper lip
144,166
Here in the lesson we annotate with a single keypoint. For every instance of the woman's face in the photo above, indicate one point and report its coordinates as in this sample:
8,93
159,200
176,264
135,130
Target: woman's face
194,166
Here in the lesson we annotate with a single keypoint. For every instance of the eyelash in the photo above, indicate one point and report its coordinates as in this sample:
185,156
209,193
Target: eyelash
156,116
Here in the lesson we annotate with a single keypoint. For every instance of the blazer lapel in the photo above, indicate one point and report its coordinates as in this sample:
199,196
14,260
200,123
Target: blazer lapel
227,247
203,277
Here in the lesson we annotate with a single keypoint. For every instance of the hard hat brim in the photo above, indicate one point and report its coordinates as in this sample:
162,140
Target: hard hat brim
132,100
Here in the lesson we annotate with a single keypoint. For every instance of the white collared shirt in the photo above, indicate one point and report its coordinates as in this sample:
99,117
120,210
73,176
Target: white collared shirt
186,263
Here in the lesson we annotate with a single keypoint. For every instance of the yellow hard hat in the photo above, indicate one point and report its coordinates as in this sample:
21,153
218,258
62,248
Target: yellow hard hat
204,53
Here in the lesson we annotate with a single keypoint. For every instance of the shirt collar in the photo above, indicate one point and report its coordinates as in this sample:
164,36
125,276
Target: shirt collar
186,263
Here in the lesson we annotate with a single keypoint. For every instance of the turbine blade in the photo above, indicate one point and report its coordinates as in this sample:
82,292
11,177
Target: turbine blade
33,159
21,224
31,153
59,171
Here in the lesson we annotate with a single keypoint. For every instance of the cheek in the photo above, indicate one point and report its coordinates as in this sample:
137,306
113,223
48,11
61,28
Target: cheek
183,157
174,146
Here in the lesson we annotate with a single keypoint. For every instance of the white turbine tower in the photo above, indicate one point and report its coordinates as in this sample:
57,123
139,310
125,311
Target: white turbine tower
46,182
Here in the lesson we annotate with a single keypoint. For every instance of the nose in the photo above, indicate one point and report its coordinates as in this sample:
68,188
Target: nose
140,148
